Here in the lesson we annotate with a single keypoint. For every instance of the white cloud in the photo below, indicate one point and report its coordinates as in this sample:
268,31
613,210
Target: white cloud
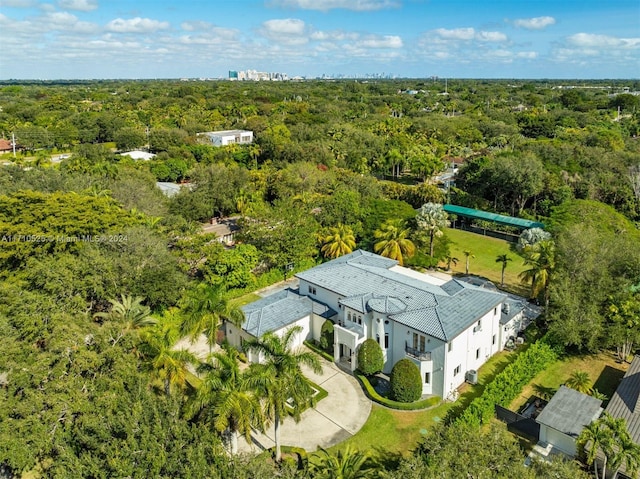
333,35
194,26
18,3
136,25
456,33
326,5
291,31
81,5
467,35
491,37
536,23
387,41
590,40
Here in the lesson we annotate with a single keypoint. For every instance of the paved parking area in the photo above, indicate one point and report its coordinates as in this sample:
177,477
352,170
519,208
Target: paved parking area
334,419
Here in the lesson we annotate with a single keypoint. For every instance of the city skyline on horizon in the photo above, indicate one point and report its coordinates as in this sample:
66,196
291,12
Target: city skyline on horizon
166,39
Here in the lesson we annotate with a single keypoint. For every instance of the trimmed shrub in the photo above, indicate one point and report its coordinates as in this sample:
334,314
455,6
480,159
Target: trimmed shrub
406,383
316,349
326,336
402,406
370,358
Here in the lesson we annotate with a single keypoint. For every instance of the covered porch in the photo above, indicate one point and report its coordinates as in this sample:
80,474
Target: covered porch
346,340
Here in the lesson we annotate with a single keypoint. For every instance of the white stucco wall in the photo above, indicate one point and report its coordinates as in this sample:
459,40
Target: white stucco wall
561,441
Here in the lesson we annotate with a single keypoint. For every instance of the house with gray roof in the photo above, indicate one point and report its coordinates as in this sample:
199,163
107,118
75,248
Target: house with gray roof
448,328
277,313
564,418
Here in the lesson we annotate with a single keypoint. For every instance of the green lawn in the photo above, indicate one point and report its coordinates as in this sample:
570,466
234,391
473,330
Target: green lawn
486,249
602,368
244,299
396,433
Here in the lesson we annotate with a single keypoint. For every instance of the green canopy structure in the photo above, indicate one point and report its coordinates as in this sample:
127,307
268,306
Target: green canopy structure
494,217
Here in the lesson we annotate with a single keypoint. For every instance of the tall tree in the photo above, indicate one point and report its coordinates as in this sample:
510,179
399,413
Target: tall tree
206,308
130,313
280,377
432,219
468,254
160,356
337,242
225,397
541,261
393,242
503,259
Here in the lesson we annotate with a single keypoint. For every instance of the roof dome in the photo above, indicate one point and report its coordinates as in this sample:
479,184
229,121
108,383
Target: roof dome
386,305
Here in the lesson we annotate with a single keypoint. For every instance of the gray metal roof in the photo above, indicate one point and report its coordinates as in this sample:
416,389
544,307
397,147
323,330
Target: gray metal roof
569,411
275,311
440,311
510,309
625,402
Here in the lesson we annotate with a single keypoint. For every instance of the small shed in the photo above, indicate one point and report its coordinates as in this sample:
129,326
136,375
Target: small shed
564,418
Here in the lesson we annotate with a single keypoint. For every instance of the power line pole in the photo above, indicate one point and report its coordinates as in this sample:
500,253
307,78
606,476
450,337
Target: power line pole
13,143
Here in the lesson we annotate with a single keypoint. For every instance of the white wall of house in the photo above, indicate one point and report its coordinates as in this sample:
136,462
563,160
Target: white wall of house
512,328
447,368
236,335
471,349
561,441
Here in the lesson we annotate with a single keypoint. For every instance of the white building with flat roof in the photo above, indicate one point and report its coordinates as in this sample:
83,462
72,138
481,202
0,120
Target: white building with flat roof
226,137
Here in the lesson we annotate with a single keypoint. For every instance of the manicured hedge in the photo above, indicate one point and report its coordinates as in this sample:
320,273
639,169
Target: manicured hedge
370,358
318,350
403,406
509,383
406,383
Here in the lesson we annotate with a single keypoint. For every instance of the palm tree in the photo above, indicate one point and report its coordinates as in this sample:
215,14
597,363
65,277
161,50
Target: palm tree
338,242
433,219
467,255
166,363
280,379
393,242
206,308
580,381
225,399
592,438
540,257
504,259
345,464
451,259
130,312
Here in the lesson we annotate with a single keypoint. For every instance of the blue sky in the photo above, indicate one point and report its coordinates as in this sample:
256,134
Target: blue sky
77,39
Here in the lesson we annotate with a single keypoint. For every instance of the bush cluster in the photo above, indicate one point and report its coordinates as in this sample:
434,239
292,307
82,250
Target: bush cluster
370,358
406,383
412,406
509,383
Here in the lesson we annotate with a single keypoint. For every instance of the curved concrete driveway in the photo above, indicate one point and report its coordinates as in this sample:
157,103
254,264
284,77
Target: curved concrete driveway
334,419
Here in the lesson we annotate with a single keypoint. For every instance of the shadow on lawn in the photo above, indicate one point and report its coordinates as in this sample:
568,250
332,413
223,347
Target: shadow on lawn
608,381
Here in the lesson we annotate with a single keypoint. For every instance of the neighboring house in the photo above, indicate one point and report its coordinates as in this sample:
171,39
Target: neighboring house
277,313
447,328
139,155
625,403
169,189
224,228
5,145
564,418
226,137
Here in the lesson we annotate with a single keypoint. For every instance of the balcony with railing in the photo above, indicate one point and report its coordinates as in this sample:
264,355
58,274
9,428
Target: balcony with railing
416,353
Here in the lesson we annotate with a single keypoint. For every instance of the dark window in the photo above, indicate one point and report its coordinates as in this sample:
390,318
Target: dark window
456,371
493,340
478,353
386,340
427,378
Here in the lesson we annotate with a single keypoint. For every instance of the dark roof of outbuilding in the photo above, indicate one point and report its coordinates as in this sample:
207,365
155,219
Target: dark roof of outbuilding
569,411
